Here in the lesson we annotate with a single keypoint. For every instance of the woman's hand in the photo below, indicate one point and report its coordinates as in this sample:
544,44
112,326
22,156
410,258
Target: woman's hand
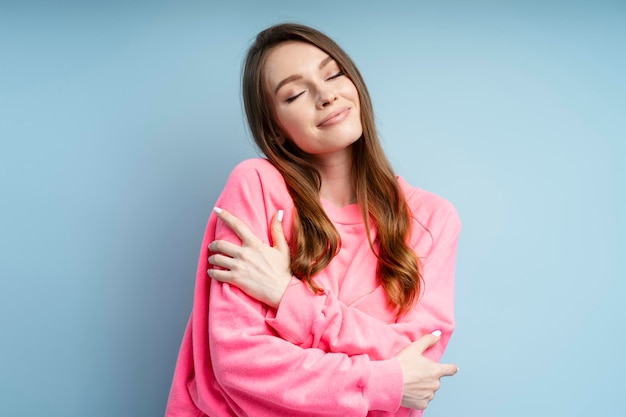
261,271
421,375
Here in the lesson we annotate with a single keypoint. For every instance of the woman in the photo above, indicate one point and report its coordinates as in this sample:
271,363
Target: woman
332,289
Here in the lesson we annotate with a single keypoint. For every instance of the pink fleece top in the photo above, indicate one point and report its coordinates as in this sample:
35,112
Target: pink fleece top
330,354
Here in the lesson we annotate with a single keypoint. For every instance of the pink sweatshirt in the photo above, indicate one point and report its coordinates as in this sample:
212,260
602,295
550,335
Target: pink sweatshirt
330,354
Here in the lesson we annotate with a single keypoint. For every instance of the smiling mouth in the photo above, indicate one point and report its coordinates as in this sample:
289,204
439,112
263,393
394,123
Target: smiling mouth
335,117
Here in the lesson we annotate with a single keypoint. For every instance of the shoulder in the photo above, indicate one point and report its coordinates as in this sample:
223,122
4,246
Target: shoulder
434,214
255,172
256,168
256,180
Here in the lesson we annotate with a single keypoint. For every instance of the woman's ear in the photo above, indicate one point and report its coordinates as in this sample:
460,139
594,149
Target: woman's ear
280,139
278,136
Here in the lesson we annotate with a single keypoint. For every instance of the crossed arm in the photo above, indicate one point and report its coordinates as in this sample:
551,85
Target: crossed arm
262,272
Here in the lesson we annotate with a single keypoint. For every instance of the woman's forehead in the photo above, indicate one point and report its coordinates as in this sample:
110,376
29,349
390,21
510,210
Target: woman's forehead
289,58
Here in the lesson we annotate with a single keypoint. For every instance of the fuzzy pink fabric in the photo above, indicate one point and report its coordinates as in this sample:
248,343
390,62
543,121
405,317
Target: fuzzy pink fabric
330,354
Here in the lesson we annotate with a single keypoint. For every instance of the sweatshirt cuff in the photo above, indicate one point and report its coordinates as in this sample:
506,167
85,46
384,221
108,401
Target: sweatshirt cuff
383,389
297,313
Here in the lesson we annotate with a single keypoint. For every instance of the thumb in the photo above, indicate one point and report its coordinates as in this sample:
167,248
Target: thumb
278,235
428,340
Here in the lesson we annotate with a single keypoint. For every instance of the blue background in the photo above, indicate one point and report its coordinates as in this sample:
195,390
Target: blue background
120,121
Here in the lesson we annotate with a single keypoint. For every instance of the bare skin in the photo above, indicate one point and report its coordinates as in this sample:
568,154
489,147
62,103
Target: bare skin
262,271
317,108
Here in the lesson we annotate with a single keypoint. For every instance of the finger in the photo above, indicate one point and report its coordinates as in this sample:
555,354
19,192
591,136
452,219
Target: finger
448,369
425,342
221,275
225,247
240,229
278,234
222,261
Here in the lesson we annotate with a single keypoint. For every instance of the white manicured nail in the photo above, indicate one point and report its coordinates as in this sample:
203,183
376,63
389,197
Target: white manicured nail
436,333
217,210
279,216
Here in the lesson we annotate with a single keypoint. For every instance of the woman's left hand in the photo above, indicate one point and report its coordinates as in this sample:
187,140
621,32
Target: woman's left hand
261,271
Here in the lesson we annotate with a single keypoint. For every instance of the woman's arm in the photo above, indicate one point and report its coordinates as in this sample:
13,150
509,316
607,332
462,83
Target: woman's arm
231,359
264,375
321,320
241,364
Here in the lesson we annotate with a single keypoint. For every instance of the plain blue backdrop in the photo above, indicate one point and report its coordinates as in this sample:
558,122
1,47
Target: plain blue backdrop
120,121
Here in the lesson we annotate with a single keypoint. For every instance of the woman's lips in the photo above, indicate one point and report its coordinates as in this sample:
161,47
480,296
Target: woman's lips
335,117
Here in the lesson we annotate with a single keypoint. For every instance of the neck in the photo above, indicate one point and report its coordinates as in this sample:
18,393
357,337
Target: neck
336,172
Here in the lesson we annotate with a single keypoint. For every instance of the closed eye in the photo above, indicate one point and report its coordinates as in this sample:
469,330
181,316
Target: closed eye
292,98
339,74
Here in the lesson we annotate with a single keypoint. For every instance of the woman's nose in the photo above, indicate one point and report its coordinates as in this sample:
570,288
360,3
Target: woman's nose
325,97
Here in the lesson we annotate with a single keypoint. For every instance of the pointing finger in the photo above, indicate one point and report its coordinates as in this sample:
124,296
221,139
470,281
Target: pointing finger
448,369
240,229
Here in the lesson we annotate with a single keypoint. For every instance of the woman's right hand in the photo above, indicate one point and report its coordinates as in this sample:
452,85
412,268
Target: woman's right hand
260,270
421,375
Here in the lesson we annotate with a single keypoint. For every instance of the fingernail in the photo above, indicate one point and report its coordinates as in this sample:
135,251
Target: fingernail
436,333
209,272
217,210
279,216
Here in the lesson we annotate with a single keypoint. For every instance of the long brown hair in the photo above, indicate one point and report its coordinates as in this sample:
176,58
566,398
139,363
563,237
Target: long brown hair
316,241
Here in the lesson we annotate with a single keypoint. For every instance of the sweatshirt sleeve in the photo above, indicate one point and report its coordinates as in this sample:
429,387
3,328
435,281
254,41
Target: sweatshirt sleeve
323,321
262,374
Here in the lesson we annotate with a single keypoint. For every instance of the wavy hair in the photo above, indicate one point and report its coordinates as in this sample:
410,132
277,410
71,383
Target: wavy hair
315,240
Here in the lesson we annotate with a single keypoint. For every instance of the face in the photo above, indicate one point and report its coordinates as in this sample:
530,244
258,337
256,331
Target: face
315,105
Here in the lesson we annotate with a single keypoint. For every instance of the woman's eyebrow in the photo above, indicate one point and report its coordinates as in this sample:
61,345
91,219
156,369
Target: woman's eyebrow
325,61
296,77
286,81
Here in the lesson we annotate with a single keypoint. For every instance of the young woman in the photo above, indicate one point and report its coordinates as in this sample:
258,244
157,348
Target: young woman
330,280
